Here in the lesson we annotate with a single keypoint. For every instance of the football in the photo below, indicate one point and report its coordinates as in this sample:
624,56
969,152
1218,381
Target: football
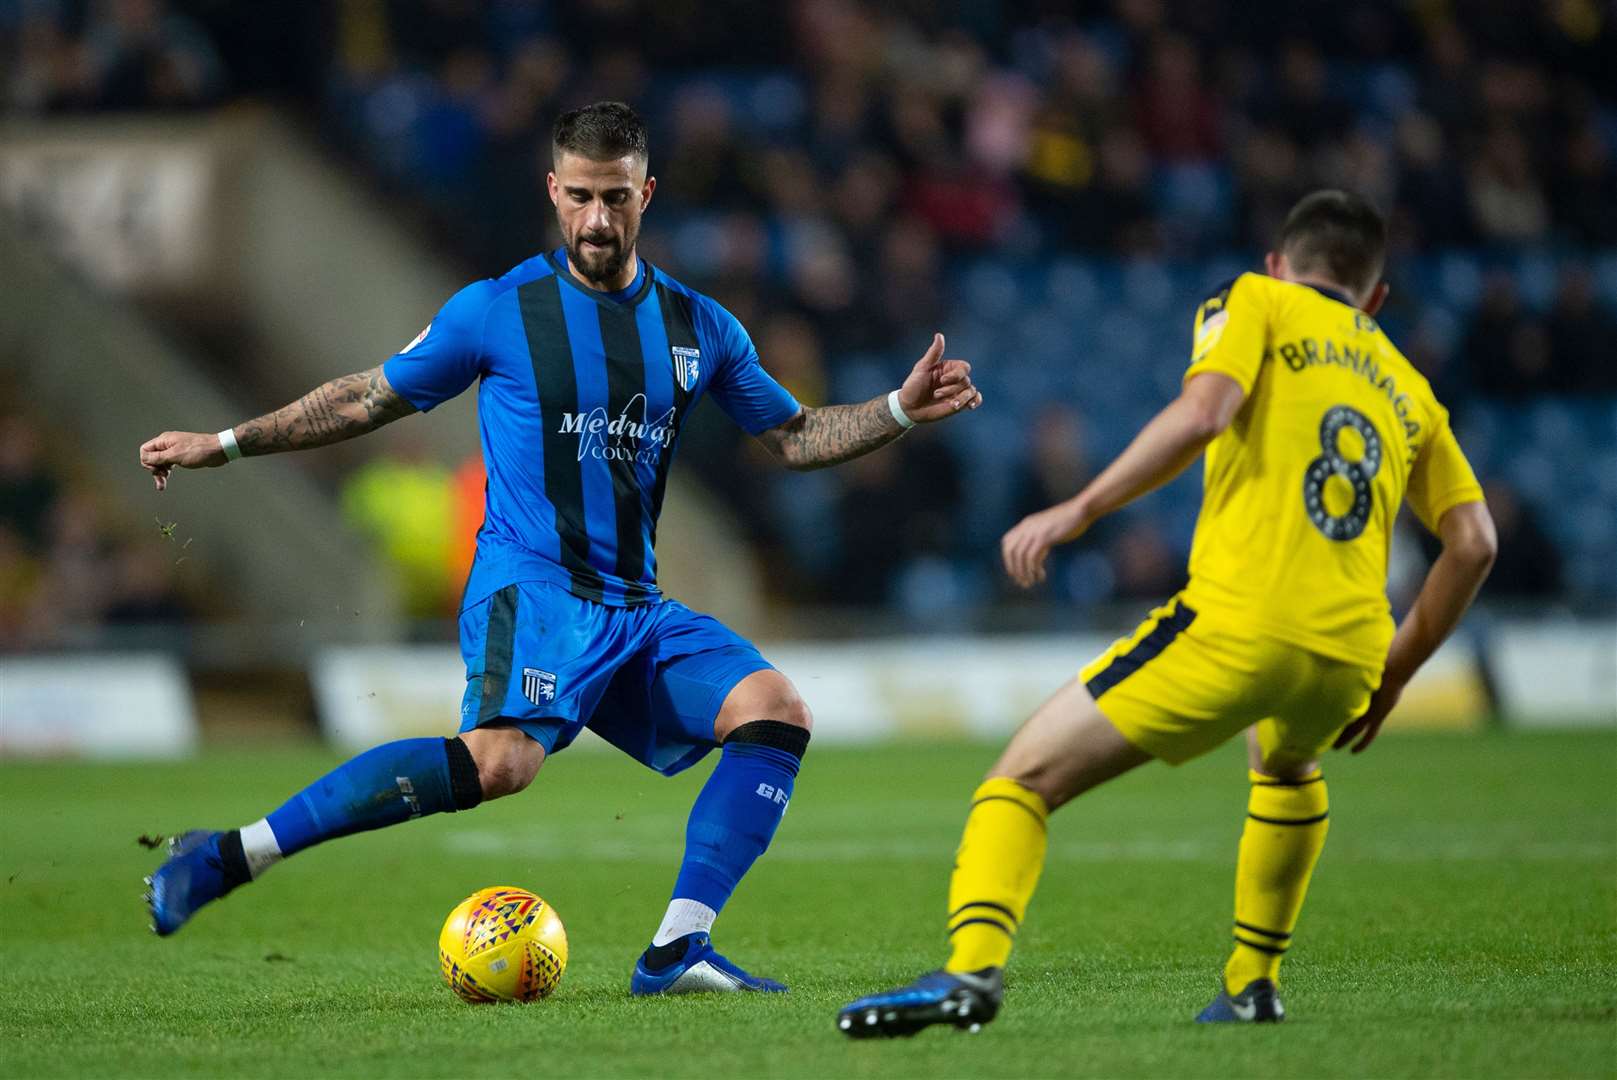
502,944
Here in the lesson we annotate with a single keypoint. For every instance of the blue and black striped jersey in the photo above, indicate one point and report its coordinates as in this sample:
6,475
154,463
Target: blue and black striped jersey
581,397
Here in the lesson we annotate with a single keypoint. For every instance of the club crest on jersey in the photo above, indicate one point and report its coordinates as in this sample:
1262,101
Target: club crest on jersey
538,686
687,366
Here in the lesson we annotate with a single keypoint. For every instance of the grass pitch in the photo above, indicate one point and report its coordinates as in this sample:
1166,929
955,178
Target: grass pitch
1463,922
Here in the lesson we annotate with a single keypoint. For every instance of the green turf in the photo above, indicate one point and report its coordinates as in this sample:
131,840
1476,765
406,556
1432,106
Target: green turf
1463,923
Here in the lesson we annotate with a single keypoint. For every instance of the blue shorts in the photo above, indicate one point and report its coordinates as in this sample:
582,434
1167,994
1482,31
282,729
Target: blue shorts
650,680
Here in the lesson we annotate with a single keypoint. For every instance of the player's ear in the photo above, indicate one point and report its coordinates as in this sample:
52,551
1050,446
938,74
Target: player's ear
1274,265
552,186
1378,296
645,192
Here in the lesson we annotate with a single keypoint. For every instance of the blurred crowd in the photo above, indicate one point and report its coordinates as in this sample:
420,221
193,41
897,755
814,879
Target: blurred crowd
67,563
848,176
105,56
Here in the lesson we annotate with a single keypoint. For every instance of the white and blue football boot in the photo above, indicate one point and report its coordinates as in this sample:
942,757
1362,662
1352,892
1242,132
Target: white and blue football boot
964,1000
1257,1003
690,965
193,875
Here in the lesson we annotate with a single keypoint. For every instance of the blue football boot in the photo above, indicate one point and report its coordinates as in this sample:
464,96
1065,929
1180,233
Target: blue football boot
193,874
696,968
1258,1003
967,1001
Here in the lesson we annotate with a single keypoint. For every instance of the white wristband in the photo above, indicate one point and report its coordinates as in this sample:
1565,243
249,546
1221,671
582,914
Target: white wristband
898,411
227,440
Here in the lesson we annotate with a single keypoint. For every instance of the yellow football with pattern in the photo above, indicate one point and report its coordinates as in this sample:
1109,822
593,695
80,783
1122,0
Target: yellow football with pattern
502,944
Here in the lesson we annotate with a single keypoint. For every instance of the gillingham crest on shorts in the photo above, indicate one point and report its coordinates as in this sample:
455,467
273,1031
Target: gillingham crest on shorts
687,366
538,686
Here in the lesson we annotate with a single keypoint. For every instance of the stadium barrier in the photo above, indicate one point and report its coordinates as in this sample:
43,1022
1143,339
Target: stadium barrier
1556,674
974,687
135,705
102,705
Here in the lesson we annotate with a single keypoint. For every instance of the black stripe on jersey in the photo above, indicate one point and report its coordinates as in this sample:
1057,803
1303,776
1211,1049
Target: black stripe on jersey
1288,821
680,327
497,645
995,923
1034,814
556,382
625,381
1161,636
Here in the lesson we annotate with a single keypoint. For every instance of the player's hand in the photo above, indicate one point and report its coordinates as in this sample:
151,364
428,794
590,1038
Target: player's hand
1026,547
937,388
1368,726
180,449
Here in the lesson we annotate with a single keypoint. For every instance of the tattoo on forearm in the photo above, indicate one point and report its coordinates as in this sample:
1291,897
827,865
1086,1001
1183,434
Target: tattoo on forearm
837,433
340,409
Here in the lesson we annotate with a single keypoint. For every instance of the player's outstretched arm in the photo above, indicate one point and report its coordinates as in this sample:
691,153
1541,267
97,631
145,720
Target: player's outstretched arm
340,409
832,434
1469,546
1162,450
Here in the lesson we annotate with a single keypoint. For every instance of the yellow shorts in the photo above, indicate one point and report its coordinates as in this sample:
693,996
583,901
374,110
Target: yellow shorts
1185,681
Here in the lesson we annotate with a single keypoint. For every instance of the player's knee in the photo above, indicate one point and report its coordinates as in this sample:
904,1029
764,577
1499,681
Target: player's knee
507,759
1283,764
764,695
794,710
1038,777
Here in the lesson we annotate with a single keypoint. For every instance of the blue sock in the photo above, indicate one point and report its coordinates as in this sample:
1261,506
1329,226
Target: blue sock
383,786
738,810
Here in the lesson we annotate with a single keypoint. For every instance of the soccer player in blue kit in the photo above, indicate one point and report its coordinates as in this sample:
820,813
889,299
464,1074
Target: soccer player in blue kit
588,361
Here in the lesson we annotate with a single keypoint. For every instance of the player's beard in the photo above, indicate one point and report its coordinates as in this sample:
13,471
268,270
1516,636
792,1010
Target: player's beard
600,265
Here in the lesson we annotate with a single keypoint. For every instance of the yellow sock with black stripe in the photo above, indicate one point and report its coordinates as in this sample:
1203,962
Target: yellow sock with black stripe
995,872
1286,823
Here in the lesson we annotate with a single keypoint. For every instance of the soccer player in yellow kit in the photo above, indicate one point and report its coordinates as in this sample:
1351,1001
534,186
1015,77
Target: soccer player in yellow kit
1315,429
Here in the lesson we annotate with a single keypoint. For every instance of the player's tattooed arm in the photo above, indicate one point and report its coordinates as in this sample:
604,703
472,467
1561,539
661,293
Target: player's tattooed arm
340,409
832,434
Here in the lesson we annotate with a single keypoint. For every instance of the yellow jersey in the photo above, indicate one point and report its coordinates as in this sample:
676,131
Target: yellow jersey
1301,490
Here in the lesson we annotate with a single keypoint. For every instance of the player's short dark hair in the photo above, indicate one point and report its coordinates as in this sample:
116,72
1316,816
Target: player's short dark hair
604,131
1336,233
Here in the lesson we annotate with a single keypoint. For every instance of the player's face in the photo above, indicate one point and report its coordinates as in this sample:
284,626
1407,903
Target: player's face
598,205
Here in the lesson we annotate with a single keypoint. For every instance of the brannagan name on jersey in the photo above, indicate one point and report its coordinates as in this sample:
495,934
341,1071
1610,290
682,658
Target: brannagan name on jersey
1309,352
621,439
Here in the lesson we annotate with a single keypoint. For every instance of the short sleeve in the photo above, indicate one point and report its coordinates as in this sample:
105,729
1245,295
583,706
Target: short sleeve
747,393
1231,332
446,357
1442,478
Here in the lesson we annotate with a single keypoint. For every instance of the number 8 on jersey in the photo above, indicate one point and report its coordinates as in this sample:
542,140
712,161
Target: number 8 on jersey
1348,525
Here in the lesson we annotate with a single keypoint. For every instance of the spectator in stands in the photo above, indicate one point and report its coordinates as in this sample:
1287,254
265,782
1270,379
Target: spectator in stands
1529,562
1144,566
142,55
1431,189
406,504
1056,468
1507,199
1179,117
1586,187
1582,332
884,523
27,489
19,579
1507,347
